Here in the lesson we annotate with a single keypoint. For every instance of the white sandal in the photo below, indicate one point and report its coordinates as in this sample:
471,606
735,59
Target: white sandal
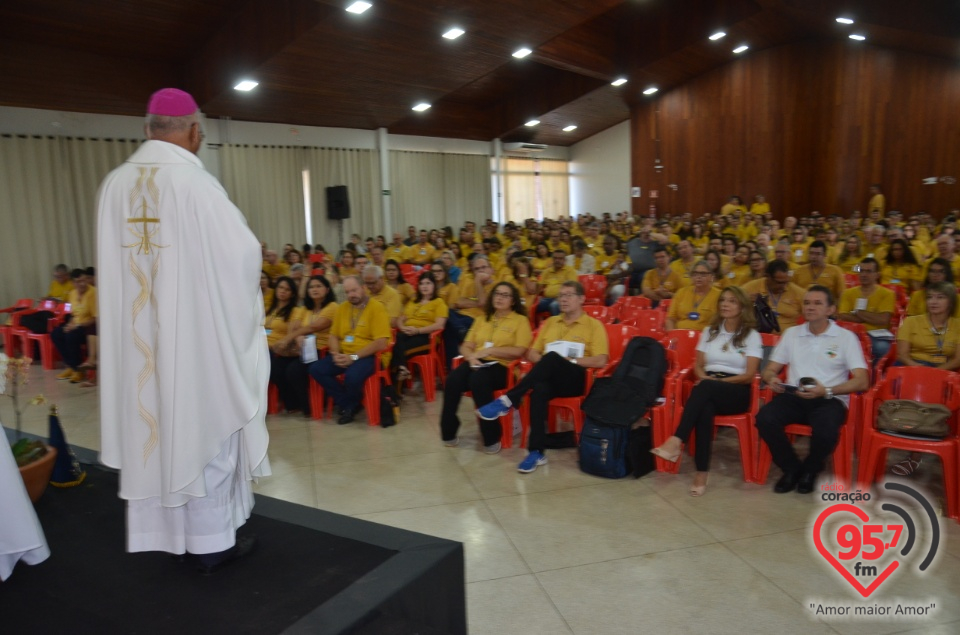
906,467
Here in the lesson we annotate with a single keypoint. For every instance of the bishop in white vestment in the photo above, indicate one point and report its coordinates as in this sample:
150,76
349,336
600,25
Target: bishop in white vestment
184,362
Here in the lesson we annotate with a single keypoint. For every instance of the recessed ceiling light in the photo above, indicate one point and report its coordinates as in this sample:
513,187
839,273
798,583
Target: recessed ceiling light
532,122
716,36
570,128
422,106
741,48
844,20
522,53
619,82
359,7
246,85
453,33
858,38
651,90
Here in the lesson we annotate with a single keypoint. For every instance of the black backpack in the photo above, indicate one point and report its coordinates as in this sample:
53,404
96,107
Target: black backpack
636,385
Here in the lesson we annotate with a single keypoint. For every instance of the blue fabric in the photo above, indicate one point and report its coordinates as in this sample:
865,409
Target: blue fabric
349,394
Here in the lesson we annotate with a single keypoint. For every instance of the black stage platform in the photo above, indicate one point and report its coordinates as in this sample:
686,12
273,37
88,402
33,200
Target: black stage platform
314,572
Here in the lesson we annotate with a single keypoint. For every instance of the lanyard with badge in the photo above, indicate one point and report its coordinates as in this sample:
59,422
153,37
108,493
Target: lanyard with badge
354,319
695,315
941,335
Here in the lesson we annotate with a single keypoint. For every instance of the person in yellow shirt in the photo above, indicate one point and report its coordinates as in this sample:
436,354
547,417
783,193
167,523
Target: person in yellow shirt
760,205
932,338
783,252
394,280
566,345
877,202
378,289
396,250
850,256
693,306
901,268
551,281
274,266
683,265
819,272
502,335
661,282
871,305
425,314
69,337
783,297
738,273
733,206
521,276
799,245
266,289
316,314
61,285
347,266
423,252
446,289
281,323
939,270
698,239
473,288
360,330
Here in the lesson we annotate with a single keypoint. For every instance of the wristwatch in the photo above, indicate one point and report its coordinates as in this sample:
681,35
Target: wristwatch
829,394
354,357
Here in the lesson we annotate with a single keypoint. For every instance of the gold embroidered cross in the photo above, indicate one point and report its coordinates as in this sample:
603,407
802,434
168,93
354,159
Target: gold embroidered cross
144,234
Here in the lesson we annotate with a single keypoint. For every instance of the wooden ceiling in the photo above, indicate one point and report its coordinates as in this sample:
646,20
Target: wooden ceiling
319,65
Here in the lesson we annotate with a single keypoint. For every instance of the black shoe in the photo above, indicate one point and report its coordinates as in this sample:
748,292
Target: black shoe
337,410
806,482
787,482
210,563
347,416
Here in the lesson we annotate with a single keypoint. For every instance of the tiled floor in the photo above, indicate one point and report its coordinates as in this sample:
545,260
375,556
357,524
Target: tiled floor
558,551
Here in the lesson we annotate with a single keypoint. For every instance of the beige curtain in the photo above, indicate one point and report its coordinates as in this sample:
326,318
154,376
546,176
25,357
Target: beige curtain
554,187
536,188
266,183
48,188
359,170
433,190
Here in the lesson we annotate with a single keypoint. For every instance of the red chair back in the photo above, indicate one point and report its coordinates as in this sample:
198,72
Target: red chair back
684,343
861,332
920,383
649,321
597,311
851,280
902,298
594,287
618,336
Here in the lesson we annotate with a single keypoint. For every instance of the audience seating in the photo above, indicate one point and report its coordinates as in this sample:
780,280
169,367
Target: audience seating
599,312
371,392
594,287
428,365
13,332
48,352
649,321
920,383
851,280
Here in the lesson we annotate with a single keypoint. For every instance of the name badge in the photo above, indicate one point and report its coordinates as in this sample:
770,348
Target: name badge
870,255
731,275
488,344
895,281
798,253
693,315
348,339
861,304
939,359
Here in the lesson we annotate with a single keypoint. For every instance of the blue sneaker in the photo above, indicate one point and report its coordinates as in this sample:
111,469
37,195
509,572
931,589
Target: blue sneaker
534,460
493,410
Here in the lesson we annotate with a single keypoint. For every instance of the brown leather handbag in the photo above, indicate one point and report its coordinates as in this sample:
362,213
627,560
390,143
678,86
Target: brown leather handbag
905,416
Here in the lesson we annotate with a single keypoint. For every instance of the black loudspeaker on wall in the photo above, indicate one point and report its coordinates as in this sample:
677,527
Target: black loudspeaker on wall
338,202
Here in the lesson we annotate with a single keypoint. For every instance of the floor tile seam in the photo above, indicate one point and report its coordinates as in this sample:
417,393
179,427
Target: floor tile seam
506,535
403,509
546,491
627,557
553,603
380,458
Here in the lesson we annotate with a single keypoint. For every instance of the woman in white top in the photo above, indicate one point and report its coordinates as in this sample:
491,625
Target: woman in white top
728,356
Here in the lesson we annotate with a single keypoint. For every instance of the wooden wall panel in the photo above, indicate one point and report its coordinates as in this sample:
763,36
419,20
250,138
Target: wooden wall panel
810,125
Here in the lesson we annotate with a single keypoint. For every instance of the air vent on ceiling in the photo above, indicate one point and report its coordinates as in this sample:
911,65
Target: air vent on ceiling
525,148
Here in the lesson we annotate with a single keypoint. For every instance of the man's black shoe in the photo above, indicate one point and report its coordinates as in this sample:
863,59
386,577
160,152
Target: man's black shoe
346,417
787,482
806,483
210,563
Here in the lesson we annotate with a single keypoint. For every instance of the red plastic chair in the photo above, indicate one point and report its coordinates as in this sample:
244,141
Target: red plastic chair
927,385
595,288
664,306
628,305
506,421
903,299
885,362
13,332
861,332
684,343
20,305
429,365
598,311
371,392
851,280
842,455
649,321
618,336
48,352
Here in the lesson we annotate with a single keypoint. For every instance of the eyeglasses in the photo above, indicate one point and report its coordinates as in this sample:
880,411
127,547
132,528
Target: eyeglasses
503,294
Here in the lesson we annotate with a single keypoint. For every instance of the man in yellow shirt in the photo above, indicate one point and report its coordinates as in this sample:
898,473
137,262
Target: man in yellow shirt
877,201
379,290
870,305
946,246
565,347
781,251
360,330
396,250
473,288
683,265
551,281
61,285
70,337
819,272
662,282
760,205
784,297
421,253
799,244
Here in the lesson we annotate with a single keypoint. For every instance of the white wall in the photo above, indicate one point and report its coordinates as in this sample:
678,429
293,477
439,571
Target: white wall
600,172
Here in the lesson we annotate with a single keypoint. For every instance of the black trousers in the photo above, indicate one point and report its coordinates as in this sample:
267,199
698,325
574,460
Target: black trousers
708,399
553,376
407,346
482,382
454,332
824,416
69,344
290,376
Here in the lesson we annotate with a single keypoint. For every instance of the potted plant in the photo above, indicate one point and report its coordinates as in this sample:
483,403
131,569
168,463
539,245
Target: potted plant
34,458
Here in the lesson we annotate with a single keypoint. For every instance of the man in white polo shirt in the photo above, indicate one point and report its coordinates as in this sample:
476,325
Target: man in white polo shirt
827,354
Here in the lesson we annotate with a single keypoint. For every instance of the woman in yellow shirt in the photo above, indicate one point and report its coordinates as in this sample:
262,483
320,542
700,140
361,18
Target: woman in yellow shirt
266,288
543,261
851,255
693,306
497,338
698,239
280,324
316,315
424,315
938,271
393,278
521,276
446,289
901,267
347,265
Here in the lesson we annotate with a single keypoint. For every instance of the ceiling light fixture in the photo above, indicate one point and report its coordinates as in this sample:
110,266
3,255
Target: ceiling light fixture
246,85
844,20
522,53
570,128
716,36
422,106
358,7
858,38
532,123
453,33
741,48
651,90
619,82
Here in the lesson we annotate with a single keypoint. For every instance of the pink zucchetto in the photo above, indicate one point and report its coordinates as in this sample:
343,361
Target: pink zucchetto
171,102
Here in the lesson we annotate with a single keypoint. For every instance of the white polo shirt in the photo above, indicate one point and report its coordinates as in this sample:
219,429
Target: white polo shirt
733,360
828,357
